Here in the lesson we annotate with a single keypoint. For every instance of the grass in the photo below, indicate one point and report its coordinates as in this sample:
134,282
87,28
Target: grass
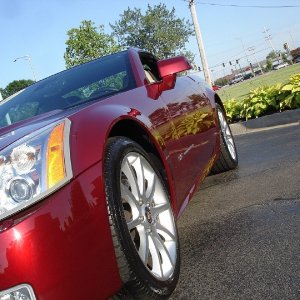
240,91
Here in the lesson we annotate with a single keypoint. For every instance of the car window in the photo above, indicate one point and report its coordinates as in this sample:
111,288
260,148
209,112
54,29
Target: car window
149,63
108,85
92,81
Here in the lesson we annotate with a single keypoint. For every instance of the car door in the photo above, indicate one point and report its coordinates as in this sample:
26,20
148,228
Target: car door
194,133
188,127
160,118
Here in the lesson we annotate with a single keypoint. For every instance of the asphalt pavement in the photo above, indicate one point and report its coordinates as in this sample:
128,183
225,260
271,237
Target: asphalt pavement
240,235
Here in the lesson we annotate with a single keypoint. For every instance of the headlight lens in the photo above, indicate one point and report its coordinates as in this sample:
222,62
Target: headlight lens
20,292
34,166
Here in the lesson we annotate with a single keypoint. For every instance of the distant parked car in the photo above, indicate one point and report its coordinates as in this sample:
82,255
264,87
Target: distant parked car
280,66
248,76
216,87
237,78
297,59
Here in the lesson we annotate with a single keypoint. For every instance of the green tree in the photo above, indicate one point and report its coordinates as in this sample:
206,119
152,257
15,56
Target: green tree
277,55
269,65
88,42
158,31
273,55
284,57
221,81
1,93
15,86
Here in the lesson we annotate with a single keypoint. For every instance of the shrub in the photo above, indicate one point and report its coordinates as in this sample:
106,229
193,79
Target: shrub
265,100
233,110
292,91
259,102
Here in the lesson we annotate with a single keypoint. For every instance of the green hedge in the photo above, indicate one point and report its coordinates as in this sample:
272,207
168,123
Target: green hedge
265,100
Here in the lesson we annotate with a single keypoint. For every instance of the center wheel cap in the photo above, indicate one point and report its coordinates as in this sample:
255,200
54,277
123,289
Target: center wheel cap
148,215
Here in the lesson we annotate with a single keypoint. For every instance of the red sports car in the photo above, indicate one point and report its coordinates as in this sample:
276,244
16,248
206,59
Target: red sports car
96,164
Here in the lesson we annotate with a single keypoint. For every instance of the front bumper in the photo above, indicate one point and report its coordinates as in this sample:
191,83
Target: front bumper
62,247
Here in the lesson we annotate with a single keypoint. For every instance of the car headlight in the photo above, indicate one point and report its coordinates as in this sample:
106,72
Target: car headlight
20,292
34,167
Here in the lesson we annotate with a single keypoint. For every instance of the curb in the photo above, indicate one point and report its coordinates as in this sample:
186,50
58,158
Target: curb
281,118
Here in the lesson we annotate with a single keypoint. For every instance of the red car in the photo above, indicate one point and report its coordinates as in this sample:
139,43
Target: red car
216,87
96,164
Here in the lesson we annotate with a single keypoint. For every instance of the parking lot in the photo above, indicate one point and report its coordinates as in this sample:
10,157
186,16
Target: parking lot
240,235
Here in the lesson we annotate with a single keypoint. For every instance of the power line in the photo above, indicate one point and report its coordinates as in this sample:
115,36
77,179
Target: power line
237,57
250,6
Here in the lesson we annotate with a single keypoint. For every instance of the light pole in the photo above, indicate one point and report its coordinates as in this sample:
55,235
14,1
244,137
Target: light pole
200,42
28,58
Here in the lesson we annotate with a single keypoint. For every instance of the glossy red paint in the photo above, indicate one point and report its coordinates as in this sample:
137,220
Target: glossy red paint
62,246
186,103
173,65
216,87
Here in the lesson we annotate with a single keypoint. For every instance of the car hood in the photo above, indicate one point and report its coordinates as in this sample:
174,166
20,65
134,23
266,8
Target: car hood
14,132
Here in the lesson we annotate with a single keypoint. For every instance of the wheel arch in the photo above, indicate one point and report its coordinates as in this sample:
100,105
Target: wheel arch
219,101
134,131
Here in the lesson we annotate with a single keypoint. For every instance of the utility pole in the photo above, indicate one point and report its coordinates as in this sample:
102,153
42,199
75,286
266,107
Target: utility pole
269,39
200,41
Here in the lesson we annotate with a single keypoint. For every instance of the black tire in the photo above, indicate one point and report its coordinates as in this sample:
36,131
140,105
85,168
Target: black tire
139,280
228,159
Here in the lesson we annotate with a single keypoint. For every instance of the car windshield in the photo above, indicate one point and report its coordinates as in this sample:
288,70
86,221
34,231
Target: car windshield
94,80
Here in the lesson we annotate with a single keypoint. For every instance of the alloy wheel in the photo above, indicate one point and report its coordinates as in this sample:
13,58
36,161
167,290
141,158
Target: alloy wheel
227,135
148,215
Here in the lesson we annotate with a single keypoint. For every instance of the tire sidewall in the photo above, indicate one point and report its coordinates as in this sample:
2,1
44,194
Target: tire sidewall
223,140
118,149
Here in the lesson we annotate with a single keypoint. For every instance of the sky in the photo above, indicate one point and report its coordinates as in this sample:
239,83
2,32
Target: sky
38,28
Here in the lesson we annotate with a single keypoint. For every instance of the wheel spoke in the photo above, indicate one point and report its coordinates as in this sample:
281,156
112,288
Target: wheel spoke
156,258
165,232
133,223
127,170
166,264
128,196
144,245
229,138
151,188
159,208
139,169
231,148
230,142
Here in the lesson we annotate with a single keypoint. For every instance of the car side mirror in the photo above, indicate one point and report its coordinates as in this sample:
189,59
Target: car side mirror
168,69
173,65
